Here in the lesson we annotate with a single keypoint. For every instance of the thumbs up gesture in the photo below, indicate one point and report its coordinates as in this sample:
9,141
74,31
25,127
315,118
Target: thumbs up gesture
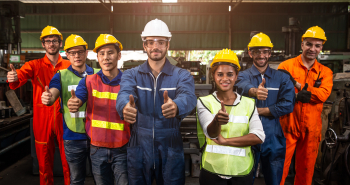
46,96
130,111
74,103
12,75
304,96
169,108
222,117
262,92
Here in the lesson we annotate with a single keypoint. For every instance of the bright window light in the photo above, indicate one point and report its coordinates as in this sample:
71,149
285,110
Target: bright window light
229,8
112,8
169,1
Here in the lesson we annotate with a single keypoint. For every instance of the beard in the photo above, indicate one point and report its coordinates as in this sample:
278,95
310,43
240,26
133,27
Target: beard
157,58
57,49
255,61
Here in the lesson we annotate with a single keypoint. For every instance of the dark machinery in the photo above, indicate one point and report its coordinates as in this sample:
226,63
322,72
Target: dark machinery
335,164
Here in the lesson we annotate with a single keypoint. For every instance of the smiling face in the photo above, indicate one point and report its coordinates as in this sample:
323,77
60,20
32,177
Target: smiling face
77,56
156,47
311,48
51,44
260,56
108,57
225,77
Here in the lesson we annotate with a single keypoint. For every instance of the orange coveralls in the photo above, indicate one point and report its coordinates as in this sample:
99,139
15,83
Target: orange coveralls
47,120
302,128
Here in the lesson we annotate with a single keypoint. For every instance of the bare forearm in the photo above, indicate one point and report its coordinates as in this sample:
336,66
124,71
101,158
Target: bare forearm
214,129
298,86
243,141
252,92
55,94
264,111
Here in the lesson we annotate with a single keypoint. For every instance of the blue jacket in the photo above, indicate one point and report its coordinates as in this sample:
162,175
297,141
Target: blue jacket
280,99
156,143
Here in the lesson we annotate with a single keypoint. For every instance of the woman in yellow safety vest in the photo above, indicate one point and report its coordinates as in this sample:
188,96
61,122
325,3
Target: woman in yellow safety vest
228,125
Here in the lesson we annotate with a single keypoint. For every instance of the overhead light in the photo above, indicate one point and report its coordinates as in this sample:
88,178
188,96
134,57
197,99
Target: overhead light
112,8
229,8
169,1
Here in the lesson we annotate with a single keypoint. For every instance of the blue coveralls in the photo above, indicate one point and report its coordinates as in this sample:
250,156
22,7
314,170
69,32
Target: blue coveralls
280,101
156,150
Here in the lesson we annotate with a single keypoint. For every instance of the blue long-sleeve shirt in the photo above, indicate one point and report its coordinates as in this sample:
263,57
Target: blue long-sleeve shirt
280,99
56,83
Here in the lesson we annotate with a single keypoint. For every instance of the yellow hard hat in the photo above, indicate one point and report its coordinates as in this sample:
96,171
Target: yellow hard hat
315,32
226,55
260,40
74,40
105,39
50,30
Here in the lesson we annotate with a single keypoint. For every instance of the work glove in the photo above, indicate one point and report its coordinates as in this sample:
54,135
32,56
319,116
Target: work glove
290,76
304,96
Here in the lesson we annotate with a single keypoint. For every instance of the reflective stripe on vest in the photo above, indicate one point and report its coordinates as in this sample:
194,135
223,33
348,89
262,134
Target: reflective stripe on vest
69,81
228,160
103,123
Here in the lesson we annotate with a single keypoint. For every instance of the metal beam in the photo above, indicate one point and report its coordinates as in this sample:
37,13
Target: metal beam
109,10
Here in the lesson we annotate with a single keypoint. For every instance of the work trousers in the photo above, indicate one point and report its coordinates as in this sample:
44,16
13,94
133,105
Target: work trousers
207,178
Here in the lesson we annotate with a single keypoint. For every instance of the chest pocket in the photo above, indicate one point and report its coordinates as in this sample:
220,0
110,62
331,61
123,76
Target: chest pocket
272,95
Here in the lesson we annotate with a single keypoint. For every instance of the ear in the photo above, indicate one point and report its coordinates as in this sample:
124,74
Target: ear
87,52
250,54
168,45
67,55
144,47
61,44
43,44
119,55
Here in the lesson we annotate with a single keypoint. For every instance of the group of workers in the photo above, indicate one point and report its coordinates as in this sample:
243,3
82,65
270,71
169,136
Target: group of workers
128,123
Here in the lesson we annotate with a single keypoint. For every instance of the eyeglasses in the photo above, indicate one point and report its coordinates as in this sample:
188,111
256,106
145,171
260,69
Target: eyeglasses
257,52
48,42
152,43
73,53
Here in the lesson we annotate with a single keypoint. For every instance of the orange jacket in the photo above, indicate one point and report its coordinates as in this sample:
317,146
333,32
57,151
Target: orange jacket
40,71
306,117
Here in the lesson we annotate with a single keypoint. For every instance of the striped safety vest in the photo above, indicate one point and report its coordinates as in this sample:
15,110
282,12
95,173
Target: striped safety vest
228,160
103,123
69,81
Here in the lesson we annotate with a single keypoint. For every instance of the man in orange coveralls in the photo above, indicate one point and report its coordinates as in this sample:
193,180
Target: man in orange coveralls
47,120
313,84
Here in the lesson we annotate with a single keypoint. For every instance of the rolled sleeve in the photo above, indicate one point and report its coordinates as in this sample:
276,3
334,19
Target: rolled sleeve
185,97
256,127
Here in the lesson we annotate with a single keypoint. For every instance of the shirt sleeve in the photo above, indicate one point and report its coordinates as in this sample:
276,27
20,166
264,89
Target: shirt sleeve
255,126
205,118
56,82
243,84
26,72
185,97
127,88
81,91
286,97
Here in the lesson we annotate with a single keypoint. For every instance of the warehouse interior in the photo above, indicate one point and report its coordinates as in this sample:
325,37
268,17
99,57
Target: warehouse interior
199,29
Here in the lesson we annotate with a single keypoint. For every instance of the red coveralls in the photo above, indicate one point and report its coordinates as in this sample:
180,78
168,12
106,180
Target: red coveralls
302,128
47,120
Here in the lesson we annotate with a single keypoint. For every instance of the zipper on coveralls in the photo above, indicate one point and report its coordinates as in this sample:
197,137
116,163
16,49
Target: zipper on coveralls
154,106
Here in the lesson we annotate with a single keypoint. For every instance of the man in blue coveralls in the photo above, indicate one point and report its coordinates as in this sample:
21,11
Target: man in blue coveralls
155,97
275,96
76,144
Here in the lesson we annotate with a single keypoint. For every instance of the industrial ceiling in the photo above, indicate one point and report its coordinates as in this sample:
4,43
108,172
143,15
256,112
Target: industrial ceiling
185,1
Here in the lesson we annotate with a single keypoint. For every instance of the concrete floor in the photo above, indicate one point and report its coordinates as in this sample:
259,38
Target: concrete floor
20,173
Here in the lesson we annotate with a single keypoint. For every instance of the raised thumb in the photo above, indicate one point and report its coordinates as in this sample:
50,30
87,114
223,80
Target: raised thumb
223,106
47,89
166,97
305,87
263,82
12,68
73,93
131,100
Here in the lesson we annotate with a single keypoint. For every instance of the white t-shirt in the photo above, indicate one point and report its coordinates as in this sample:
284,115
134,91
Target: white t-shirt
205,118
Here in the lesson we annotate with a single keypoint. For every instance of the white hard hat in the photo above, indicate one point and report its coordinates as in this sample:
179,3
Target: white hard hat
155,28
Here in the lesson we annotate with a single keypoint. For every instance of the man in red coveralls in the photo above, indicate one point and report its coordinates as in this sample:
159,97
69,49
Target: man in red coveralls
47,120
